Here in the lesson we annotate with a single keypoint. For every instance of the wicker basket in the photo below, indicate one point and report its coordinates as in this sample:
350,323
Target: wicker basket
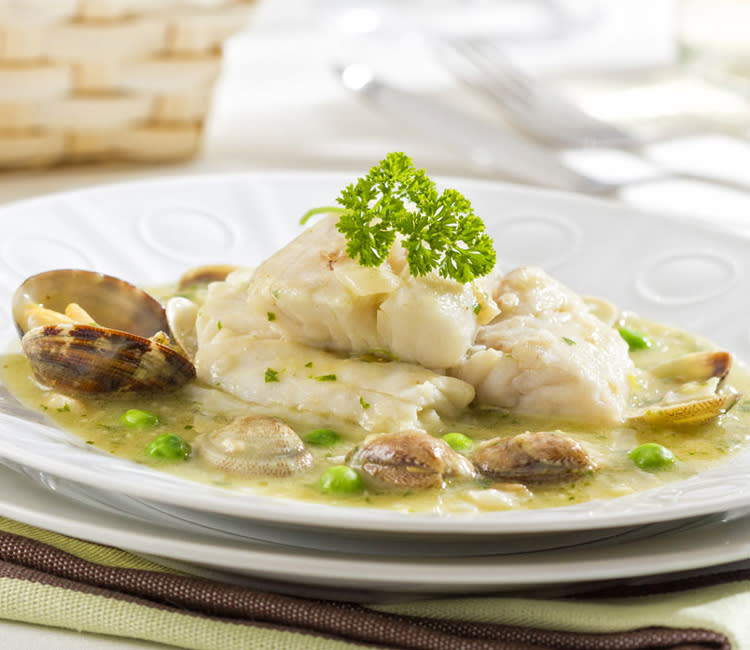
84,80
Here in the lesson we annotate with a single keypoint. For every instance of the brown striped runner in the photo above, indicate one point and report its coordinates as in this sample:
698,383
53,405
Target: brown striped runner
25,559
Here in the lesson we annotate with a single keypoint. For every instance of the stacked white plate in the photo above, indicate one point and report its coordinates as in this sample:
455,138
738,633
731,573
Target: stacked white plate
675,271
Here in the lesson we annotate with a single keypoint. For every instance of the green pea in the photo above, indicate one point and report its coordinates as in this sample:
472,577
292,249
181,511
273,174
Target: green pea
651,455
323,437
140,419
635,339
458,441
341,479
168,446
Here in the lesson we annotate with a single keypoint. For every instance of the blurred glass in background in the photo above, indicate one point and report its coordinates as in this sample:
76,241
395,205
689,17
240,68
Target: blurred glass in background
714,38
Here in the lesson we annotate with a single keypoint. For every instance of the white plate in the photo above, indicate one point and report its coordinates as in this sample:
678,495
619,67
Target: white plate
719,539
328,541
148,232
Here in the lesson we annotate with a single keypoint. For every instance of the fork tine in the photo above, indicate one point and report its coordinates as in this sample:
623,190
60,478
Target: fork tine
539,111
475,52
495,60
507,89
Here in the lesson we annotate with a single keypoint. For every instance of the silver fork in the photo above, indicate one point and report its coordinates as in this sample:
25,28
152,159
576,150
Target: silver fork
533,107
545,115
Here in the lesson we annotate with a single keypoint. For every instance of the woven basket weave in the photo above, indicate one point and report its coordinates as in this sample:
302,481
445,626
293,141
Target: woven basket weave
84,80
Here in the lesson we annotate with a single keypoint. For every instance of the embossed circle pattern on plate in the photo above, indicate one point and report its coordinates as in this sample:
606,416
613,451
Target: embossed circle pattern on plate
29,255
686,277
186,233
547,241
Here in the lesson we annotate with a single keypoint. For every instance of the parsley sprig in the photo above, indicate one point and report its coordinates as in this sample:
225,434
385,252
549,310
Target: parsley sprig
439,230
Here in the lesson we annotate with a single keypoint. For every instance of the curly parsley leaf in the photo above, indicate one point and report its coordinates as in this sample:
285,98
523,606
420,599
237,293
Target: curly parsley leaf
440,232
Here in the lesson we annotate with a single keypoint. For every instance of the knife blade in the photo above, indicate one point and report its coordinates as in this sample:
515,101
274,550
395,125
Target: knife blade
481,141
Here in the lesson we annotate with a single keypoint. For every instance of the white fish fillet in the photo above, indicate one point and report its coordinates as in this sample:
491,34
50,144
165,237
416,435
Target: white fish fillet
311,292
377,396
546,354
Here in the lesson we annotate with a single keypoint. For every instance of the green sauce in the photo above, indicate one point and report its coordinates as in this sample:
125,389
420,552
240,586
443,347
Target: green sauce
197,408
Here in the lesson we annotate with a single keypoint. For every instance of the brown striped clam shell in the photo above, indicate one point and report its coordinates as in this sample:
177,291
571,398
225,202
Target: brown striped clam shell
408,459
532,457
88,359
122,350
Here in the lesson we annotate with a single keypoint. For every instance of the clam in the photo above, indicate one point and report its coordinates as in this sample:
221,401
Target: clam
697,396
205,274
690,411
116,344
408,459
532,457
181,316
698,366
182,310
255,446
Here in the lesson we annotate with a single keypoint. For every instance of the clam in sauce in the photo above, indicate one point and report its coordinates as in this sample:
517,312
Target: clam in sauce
574,462
601,468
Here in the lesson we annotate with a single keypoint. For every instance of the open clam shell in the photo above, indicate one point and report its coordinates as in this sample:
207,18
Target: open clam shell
696,411
181,315
122,350
697,397
111,302
697,366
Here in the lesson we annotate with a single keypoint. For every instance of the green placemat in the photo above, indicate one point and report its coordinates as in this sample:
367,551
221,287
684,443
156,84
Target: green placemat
51,579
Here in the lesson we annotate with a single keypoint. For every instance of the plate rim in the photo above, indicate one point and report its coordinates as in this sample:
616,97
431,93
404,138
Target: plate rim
304,566
341,517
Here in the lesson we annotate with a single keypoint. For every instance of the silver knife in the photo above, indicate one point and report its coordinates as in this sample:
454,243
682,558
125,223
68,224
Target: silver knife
482,142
